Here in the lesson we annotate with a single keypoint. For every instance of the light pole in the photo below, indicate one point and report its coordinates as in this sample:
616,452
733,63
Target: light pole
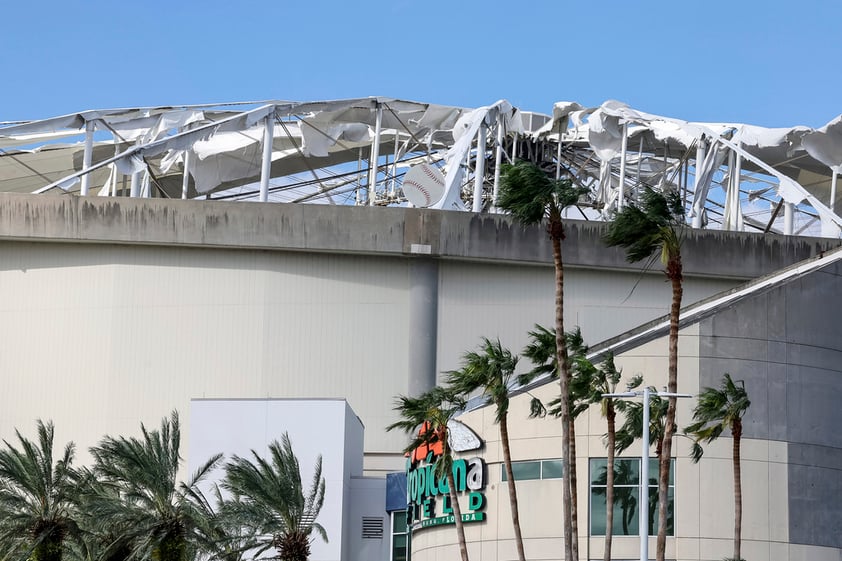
643,514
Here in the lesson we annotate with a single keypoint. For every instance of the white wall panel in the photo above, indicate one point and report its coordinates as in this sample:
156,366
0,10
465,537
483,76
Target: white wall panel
102,338
315,428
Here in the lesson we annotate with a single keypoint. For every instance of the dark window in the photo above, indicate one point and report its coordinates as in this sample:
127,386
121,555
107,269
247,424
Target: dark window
400,536
535,469
626,497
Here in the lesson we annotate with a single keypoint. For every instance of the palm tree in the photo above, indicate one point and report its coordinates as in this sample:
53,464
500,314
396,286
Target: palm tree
221,531
581,372
36,497
655,225
530,196
541,351
97,541
139,501
270,499
633,423
431,412
717,410
601,381
632,429
492,370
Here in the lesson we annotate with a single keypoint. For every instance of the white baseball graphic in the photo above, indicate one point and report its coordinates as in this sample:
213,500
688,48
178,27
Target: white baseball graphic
461,438
423,185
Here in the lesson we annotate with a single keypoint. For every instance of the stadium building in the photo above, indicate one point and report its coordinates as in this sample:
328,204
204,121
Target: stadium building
366,256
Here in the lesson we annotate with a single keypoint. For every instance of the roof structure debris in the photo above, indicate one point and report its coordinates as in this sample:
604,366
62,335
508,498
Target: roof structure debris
731,176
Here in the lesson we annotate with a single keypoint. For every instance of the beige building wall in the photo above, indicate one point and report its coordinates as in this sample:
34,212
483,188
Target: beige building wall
703,492
503,301
101,338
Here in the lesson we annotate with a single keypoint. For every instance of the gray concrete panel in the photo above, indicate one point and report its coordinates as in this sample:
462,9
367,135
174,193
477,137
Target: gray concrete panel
423,324
815,494
815,414
776,402
738,348
755,374
785,344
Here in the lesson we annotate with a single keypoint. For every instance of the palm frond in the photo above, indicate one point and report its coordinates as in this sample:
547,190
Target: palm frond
489,370
135,500
651,226
530,195
37,495
269,497
717,410
525,192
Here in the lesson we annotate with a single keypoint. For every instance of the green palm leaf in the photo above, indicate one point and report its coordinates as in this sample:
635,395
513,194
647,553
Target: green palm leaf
37,499
269,499
136,500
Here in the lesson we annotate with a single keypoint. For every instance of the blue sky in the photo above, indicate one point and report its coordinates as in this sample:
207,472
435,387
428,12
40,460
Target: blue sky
771,63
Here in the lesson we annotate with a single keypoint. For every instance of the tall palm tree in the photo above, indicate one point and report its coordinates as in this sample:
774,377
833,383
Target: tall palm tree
632,429
492,370
431,411
270,499
36,497
139,500
601,381
531,197
581,372
654,225
718,410
541,352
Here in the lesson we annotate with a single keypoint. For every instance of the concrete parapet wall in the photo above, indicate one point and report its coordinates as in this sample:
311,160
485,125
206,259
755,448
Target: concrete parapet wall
389,231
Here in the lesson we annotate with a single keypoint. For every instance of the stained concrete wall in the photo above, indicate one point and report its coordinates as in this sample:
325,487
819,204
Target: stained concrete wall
391,231
785,344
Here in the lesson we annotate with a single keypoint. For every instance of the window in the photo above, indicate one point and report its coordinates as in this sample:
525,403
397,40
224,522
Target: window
537,469
400,536
626,495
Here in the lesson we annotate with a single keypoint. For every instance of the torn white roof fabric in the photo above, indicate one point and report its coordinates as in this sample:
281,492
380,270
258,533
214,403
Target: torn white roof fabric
322,151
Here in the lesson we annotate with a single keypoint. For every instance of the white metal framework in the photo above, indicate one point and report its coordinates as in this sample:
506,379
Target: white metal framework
731,176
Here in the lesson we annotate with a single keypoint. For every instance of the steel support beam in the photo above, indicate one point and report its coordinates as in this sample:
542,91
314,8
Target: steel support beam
479,172
87,157
498,157
621,197
266,167
375,155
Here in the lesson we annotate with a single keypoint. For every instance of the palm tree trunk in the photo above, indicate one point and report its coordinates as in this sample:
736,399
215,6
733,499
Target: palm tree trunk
457,515
674,272
50,549
507,462
171,548
609,481
574,491
737,432
454,500
556,232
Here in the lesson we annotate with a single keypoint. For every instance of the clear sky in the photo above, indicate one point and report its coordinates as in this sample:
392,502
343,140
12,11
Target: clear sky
771,63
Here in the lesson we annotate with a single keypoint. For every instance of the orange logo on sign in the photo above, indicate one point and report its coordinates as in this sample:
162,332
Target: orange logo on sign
435,446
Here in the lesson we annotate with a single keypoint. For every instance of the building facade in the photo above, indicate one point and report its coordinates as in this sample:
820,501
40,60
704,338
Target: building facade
117,311
779,341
